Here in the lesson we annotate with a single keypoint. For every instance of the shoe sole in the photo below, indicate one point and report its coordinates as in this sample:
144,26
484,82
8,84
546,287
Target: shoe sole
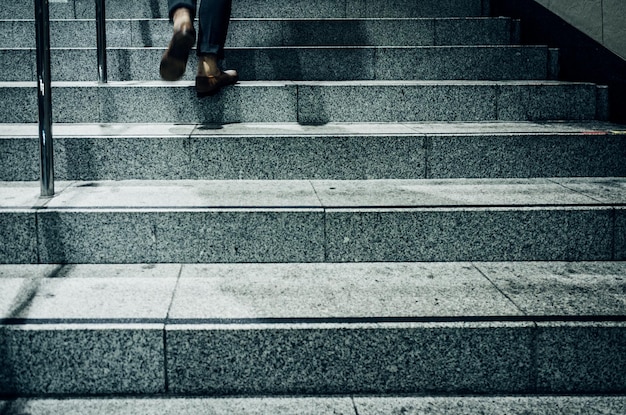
174,61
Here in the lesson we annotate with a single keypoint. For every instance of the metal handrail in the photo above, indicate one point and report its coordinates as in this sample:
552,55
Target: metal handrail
44,88
101,41
44,97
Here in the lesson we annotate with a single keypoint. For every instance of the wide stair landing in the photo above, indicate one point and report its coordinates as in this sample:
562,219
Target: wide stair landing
397,198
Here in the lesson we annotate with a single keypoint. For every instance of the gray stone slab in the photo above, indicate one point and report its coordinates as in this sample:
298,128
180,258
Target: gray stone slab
256,291
421,8
187,194
303,63
128,64
19,195
73,103
74,33
16,282
19,102
91,292
472,31
177,102
318,102
151,32
255,33
144,32
359,32
17,33
609,190
96,236
152,102
563,289
288,9
309,157
84,9
121,9
335,358
300,64
123,130
18,230
64,33
17,65
513,405
477,234
24,9
457,192
241,235
188,405
98,151
293,129
114,158
620,234
303,32
469,63
9,290
395,101
568,128
546,101
581,357
74,64
19,159
526,155
81,359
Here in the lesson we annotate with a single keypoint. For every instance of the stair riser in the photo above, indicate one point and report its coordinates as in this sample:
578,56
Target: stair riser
260,33
313,235
319,157
85,9
307,103
328,64
81,360
313,359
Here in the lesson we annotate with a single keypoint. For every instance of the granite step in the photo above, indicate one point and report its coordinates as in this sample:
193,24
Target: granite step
123,9
343,405
280,151
309,102
315,221
122,33
298,329
304,63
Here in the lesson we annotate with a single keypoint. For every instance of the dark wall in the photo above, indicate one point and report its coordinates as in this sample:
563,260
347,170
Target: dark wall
581,57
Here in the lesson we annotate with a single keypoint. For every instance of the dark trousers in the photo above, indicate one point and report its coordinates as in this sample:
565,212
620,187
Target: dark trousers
213,19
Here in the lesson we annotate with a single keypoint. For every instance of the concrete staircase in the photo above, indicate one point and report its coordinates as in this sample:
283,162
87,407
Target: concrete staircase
397,198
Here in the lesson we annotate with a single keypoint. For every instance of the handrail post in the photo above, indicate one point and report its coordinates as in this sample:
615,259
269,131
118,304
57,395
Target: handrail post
102,41
44,96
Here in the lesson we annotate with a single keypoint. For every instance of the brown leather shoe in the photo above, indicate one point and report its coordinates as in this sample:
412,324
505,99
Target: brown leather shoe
174,60
207,86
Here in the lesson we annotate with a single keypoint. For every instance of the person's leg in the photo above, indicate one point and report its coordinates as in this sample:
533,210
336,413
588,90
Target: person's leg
213,17
174,5
174,61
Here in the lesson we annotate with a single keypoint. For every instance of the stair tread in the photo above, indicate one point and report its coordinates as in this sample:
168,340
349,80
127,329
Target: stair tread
317,194
365,293
185,83
273,31
135,130
339,405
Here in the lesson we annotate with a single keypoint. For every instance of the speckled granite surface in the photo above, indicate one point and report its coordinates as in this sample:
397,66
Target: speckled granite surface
308,102
313,221
311,328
